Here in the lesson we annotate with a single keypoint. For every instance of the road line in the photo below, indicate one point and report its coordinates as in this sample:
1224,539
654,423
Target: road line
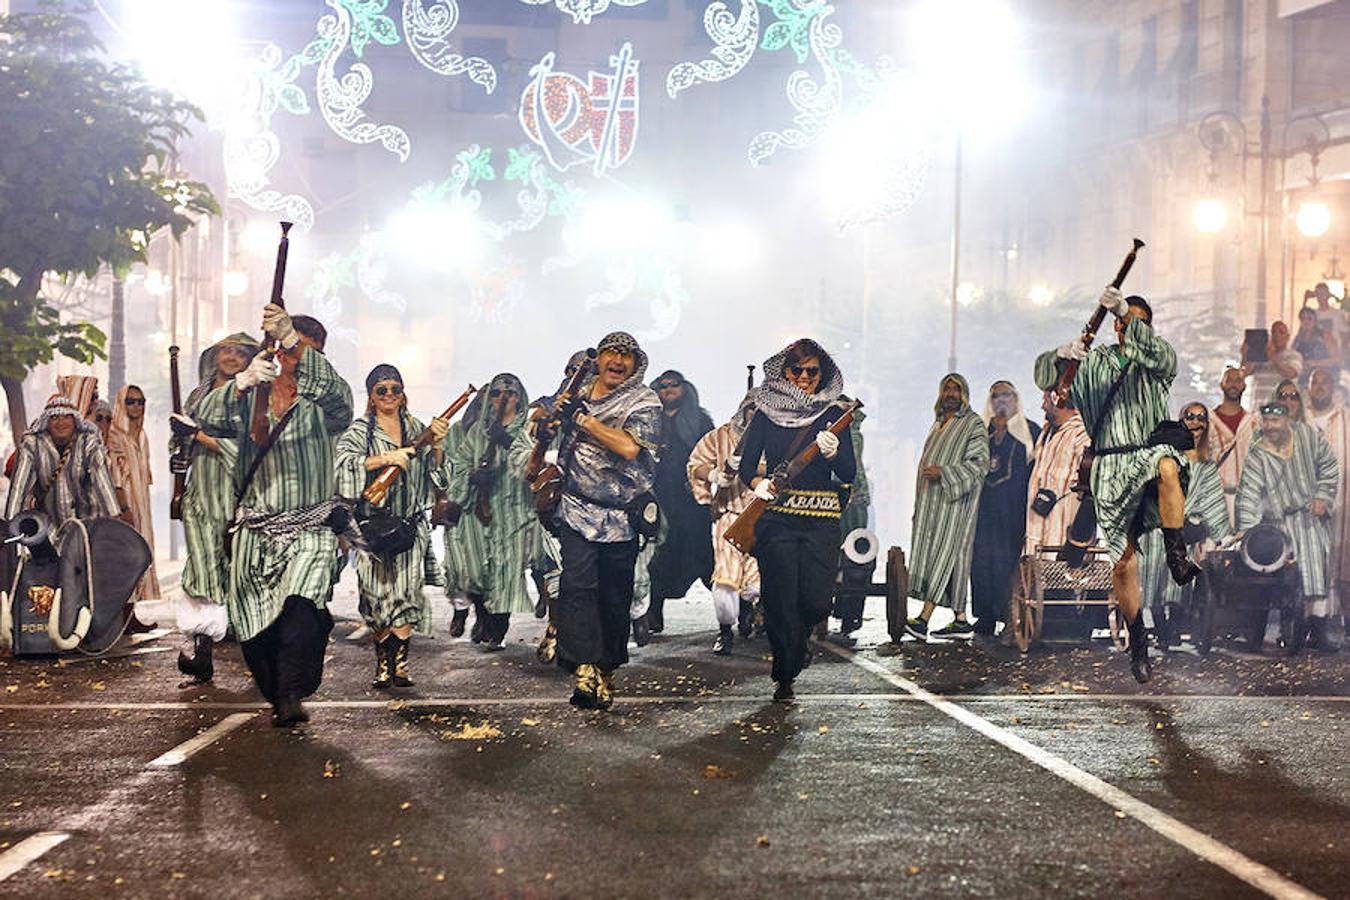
655,699
29,849
1202,845
189,748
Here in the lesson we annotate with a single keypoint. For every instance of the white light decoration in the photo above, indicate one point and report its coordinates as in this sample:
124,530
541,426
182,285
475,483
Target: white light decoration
579,122
372,271
735,38
583,11
656,280
1313,218
1210,216
340,99
968,55
1040,295
235,283
816,102
968,293
427,25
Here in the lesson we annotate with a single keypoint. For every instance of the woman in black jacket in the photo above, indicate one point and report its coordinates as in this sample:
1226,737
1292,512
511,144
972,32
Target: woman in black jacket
797,539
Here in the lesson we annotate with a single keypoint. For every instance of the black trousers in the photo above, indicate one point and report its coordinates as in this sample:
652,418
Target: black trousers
594,595
798,564
286,658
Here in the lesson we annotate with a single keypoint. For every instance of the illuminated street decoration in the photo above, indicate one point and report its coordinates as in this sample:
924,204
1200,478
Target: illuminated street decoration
497,292
541,195
577,122
340,99
427,24
582,11
734,37
799,26
655,280
251,148
332,273
372,271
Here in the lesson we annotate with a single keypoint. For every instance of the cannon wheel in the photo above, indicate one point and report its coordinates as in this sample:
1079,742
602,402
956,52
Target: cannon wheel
1026,613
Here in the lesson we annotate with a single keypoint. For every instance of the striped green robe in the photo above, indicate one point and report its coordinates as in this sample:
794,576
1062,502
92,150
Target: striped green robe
208,506
1120,481
391,593
493,558
944,511
456,562
1204,500
296,473
1279,490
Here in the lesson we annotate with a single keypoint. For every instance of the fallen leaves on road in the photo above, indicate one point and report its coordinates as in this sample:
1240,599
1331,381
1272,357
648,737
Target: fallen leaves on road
762,840
911,871
712,771
332,769
529,723
468,732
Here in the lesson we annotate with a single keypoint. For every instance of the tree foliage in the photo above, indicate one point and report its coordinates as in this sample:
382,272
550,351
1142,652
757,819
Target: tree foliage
87,175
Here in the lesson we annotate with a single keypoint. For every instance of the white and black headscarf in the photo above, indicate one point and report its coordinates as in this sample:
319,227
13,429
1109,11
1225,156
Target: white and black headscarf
782,401
633,393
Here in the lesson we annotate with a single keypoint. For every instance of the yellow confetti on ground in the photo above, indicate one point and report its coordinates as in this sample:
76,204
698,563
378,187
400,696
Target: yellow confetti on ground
474,732
762,840
529,723
824,729
911,871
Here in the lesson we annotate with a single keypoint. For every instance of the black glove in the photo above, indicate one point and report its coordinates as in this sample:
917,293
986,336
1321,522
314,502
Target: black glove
570,409
482,478
1194,531
499,435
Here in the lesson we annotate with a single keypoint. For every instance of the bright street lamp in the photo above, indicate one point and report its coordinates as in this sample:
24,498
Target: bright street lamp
1313,218
1210,215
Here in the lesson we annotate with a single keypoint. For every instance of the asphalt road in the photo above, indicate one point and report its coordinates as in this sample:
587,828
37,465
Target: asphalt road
920,770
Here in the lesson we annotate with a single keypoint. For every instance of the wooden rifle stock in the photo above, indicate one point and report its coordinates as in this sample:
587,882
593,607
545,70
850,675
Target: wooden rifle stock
722,497
179,478
378,489
1090,331
741,534
258,429
546,479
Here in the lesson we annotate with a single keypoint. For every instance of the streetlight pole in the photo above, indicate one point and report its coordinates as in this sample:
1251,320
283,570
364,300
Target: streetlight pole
956,255
1264,150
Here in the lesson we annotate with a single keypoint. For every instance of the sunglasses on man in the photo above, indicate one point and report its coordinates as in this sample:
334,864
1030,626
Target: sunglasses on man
135,401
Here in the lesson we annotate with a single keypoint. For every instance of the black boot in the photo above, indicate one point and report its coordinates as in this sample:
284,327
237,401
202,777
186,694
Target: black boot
383,666
745,622
783,692
457,621
198,667
478,633
495,635
725,638
656,615
288,711
642,634
1317,634
1140,665
1178,559
398,661
1162,627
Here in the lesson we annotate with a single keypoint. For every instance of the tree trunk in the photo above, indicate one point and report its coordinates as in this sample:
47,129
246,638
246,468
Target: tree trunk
18,411
117,347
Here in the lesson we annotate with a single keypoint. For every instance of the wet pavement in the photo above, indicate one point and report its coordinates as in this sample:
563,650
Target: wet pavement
938,770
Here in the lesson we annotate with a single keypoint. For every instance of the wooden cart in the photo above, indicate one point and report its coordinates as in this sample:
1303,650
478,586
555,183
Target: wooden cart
1083,594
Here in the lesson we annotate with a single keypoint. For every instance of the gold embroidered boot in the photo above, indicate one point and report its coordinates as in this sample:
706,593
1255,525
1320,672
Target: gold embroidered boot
584,685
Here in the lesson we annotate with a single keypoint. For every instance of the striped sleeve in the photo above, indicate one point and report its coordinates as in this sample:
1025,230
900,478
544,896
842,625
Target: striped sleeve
350,461
960,478
1150,352
104,500
1328,473
317,381
21,484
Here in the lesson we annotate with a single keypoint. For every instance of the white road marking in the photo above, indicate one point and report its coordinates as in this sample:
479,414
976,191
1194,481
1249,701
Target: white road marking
186,750
557,700
1202,845
29,849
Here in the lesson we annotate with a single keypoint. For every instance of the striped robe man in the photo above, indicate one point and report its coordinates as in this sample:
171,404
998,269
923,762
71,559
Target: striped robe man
1205,500
84,488
1279,489
1059,450
455,561
1232,447
296,474
391,592
1120,481
494,557
944,510
1335,427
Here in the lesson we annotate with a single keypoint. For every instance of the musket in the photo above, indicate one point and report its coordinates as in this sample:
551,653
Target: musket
722,497
258,429
179,477
741,534
546,479
1090,330
378,489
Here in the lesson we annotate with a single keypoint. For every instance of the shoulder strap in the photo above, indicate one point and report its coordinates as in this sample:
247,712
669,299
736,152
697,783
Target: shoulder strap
1098,425
262,454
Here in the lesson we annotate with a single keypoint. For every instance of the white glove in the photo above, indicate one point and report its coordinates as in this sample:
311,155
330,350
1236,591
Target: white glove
399,457
550,457
277,323
260,371
1114,301
764,490
1074,349
828,444
439,428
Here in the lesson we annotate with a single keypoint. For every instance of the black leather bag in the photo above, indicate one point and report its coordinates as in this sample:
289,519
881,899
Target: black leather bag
1044,502
644,515
386,534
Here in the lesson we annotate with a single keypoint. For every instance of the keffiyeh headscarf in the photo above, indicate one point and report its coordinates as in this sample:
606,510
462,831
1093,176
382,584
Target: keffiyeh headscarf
783,402
1018,426
60,405
965,393
633,393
